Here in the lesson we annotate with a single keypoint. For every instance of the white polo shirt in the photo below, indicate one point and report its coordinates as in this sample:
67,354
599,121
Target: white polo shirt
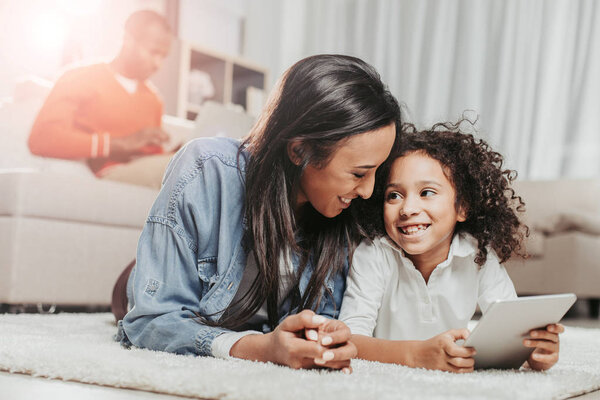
387,297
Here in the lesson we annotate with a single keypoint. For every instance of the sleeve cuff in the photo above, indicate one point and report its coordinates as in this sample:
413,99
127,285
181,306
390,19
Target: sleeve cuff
94,150
98,144
105,144
222,344
358,329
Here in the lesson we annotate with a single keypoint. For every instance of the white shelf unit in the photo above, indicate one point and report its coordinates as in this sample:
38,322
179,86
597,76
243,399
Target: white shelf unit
230,78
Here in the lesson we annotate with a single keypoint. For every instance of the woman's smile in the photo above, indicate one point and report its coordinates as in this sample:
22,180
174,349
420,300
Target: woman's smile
345,201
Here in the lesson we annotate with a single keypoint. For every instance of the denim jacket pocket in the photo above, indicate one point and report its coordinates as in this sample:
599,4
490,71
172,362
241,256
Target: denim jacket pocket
207,272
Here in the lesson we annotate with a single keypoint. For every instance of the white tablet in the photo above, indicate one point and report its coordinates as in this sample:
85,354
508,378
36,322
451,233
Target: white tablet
498,337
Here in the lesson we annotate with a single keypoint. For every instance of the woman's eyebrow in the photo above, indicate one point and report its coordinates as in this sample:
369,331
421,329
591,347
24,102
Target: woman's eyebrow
366,166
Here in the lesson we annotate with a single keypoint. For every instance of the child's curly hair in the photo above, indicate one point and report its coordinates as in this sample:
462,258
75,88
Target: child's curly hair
482,188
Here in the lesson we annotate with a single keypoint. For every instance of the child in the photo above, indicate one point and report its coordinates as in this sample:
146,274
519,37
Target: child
450,218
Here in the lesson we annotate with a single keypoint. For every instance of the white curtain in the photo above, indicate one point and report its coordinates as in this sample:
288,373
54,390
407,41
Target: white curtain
529,68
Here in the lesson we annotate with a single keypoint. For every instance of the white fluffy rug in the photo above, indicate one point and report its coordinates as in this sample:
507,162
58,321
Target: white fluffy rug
79,347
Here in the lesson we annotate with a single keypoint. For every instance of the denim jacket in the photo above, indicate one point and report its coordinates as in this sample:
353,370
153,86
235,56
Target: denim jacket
190,256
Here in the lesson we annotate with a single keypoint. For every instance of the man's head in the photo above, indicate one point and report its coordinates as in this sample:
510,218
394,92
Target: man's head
146,43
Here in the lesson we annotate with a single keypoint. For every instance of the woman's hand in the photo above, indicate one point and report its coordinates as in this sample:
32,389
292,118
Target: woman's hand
334,335
546,343
287,344
441,352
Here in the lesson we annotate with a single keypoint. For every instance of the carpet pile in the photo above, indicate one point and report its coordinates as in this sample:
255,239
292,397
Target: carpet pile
80,347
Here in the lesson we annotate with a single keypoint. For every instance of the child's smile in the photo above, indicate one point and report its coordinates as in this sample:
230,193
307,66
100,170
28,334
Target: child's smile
413,229
419,210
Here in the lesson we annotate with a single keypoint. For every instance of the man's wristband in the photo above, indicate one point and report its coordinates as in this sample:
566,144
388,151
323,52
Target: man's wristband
95,152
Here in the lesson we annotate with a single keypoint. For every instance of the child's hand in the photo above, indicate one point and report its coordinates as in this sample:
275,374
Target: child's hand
290,346
335,336
546,343
441,352
287,344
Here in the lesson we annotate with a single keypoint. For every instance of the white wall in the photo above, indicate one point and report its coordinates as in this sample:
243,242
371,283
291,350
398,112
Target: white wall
218,25
269,23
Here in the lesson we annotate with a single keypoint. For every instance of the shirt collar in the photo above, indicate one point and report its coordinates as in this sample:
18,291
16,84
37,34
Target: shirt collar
463,245
130,85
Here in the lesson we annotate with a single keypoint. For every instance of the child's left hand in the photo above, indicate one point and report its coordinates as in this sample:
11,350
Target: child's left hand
546,343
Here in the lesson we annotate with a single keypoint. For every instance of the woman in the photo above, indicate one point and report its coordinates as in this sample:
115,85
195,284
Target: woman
245,235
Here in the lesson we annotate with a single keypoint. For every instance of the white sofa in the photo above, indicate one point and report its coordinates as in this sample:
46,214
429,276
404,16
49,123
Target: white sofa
65,235
64,239
564,218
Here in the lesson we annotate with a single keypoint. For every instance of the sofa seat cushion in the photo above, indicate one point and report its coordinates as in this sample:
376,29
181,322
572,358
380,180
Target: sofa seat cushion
65,197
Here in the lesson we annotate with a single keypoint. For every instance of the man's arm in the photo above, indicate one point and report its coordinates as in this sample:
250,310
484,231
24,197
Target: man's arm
54,132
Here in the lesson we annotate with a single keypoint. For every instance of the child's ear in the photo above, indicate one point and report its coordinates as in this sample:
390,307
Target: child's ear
295,150
462,214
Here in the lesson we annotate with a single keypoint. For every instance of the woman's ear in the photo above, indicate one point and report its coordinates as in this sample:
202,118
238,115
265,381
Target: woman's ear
294,150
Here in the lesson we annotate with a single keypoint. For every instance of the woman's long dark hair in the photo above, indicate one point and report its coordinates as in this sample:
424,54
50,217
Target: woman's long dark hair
319,102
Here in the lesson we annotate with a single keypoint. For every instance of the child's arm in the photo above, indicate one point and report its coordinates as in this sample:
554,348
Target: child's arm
546,343
494,283
440,352
365,287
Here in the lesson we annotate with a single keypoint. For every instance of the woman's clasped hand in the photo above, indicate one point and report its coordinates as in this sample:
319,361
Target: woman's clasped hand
304,340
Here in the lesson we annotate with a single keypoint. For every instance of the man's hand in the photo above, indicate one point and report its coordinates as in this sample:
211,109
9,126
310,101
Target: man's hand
131,145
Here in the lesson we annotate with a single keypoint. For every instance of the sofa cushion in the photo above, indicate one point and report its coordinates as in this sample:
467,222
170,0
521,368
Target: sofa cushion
73,198
544,199
573,220
16,119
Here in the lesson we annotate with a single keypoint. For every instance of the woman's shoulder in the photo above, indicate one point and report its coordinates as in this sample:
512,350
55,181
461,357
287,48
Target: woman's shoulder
200,152
203,171
224,148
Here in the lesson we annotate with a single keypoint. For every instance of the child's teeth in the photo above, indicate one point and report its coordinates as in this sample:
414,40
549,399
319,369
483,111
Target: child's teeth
414,229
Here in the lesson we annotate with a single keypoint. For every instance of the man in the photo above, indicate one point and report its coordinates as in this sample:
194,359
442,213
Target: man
108,114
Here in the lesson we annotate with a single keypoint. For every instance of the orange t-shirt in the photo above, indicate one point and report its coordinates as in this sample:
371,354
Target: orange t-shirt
87,105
